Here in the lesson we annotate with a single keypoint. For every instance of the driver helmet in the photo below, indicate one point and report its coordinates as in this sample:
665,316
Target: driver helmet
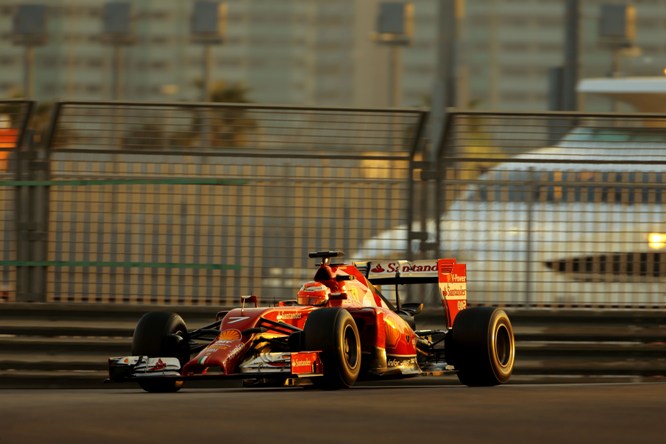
313,293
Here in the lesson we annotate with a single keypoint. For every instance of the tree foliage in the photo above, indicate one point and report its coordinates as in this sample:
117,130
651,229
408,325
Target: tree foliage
210,128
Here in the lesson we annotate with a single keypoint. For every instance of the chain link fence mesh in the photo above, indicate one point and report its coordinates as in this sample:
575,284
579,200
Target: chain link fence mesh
200,203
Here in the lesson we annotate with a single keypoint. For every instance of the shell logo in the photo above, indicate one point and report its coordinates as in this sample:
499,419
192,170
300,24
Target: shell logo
230,335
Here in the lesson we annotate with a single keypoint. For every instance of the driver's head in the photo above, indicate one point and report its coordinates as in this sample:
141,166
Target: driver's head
313,293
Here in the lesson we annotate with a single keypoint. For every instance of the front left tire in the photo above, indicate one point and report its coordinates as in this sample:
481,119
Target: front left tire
161,334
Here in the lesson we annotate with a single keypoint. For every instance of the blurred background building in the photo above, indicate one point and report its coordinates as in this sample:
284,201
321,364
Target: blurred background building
319,52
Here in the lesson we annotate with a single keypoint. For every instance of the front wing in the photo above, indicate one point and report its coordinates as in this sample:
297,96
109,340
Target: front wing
265,365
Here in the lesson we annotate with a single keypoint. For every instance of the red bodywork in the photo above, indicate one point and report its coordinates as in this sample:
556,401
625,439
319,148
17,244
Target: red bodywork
388,343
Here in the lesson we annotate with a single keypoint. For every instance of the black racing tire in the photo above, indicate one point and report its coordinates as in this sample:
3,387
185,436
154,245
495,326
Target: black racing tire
333,331
161,334
481,346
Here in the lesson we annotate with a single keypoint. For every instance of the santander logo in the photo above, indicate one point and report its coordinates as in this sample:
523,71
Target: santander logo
404,267
378,269
159,365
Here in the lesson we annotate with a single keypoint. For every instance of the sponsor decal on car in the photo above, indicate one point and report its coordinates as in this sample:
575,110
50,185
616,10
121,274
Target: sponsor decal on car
225,340
285,315
158,366
453,291
401,362
304,362
404,267
230,334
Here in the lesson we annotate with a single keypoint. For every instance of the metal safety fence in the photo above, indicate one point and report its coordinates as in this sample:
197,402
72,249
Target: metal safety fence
202,203
557,209
547,210
198,204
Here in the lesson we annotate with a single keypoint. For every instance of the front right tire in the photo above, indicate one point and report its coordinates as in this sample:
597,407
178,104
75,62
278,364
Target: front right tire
333,331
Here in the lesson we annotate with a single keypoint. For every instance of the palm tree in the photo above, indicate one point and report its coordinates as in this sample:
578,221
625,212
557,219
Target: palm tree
210,127
230,126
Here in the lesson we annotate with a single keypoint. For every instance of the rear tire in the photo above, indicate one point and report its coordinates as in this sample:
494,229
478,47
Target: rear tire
333,331
481,346
161,334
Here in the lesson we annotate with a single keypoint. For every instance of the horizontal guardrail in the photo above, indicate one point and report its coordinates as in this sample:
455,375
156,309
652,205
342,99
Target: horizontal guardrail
67,345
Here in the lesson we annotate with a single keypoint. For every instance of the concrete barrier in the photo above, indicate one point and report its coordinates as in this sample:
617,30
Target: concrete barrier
67,345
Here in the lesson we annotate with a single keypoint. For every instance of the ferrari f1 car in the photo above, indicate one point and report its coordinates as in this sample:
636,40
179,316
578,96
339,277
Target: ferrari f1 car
339,330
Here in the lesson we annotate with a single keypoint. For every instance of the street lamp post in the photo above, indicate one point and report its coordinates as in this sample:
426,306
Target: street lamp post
394,30
617,31
29,31
208,28
446,88
117,31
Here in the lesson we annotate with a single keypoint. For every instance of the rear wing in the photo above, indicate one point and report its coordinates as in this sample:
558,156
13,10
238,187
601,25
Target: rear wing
450,276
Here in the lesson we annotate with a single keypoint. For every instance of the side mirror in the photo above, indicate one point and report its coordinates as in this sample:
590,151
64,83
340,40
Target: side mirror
249,299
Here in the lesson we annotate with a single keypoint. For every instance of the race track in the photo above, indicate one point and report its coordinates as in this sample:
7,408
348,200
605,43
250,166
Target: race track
392,413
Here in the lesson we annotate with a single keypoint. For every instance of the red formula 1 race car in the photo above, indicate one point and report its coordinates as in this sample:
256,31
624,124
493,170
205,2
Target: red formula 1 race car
339,330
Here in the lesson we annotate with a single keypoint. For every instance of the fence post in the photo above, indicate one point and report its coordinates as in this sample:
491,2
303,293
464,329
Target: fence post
39,168
24,225
31,223
21,221
532,191
32,213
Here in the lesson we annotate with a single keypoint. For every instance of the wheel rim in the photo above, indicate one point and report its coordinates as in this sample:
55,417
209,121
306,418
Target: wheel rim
350,347
503,346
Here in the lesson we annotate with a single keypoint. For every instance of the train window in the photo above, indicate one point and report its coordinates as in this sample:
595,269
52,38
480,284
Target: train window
611,187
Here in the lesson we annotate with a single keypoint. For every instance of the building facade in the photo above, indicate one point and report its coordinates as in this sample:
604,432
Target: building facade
319,52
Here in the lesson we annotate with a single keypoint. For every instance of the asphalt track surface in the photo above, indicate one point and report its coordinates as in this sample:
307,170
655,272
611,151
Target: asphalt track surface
399,413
